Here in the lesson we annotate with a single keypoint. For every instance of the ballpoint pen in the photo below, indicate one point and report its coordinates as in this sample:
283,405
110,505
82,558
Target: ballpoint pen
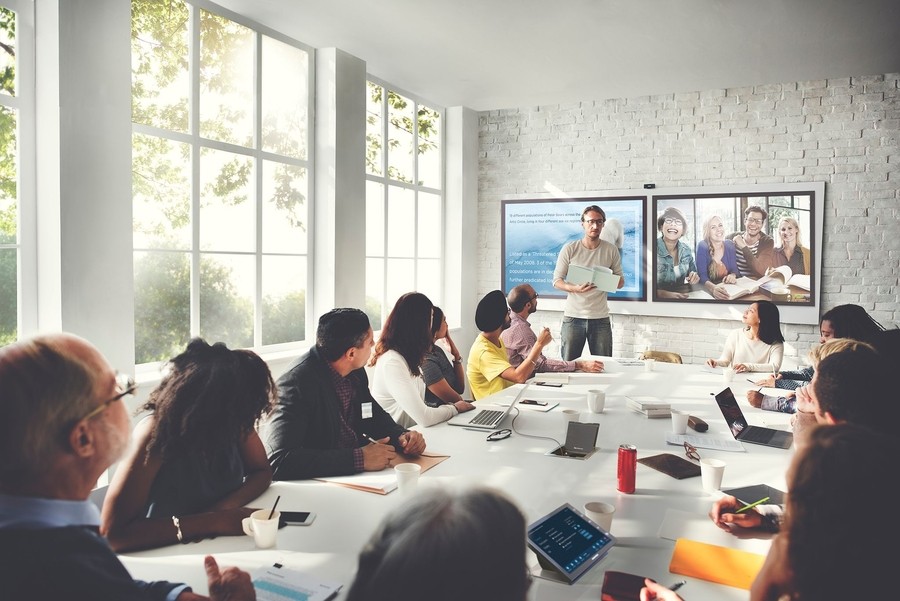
369,438
677,585
754,504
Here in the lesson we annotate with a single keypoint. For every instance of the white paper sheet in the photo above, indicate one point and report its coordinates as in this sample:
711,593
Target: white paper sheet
682,524
705,442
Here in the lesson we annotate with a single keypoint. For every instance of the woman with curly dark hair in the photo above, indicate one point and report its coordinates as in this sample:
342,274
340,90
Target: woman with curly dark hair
196,459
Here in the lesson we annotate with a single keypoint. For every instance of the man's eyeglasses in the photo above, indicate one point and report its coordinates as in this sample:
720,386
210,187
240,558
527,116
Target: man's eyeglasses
533,297
499,434
691,451
125,385
753,220
673,221
594,221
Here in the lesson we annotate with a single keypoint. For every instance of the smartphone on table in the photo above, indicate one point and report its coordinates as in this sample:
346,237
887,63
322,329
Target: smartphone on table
533,402
553,384
297,518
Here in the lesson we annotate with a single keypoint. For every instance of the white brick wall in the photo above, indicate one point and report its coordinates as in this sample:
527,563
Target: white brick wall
845,132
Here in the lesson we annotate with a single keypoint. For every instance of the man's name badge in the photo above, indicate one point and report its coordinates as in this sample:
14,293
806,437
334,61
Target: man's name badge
366,410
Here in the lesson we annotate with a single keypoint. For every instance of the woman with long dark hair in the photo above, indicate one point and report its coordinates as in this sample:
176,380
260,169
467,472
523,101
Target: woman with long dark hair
758,345
397,383
196,459
444,381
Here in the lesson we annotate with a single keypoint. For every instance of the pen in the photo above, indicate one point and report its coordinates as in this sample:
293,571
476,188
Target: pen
677,585
746,507
751,381
369,438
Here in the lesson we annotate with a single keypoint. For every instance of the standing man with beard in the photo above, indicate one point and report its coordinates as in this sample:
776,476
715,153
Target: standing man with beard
755,249
519,338
488,367
586,316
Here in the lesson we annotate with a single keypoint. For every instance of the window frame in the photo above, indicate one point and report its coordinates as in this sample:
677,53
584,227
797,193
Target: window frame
24,103
387,182
258,156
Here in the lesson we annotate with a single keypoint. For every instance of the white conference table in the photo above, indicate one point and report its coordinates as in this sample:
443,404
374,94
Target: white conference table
519,466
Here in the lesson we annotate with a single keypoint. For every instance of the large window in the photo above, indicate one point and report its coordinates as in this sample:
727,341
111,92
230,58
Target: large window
221,180
16,111
404,200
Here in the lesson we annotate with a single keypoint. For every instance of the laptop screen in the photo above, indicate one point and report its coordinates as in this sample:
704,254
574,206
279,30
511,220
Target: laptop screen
731,411
570,542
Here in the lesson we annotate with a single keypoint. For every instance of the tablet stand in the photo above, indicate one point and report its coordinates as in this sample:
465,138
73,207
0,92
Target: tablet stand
546,570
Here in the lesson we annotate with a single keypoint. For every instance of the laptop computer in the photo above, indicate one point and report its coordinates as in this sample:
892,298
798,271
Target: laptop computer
744,432
487,417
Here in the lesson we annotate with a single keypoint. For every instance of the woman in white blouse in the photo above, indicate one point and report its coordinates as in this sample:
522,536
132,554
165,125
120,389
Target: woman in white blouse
397,383
759,345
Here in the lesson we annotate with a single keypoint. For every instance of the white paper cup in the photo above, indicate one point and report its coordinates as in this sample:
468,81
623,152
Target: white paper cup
679,421
407,476
263,530
727,374
570,415
711,472
596,400
601,513
649,364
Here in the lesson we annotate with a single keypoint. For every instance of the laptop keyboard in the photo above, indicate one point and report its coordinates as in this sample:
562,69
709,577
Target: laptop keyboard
757,435
485,416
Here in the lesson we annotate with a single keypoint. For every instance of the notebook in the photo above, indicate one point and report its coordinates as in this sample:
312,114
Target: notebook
487,417
744,432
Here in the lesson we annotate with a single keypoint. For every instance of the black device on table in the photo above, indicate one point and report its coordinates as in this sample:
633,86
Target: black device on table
297,518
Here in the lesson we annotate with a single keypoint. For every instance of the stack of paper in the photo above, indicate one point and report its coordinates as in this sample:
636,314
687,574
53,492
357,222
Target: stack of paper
650,407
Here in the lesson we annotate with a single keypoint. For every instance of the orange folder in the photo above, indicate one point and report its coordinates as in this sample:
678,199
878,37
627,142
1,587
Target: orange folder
731,567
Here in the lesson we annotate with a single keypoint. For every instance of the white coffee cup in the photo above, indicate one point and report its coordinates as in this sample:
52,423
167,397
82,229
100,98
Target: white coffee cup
263,530
596,400
601,513
649,364
407,476
570,415
679,421
727,374
711,472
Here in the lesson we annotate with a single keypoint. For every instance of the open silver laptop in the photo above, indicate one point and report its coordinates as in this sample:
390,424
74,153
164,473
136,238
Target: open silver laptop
744,432
487,417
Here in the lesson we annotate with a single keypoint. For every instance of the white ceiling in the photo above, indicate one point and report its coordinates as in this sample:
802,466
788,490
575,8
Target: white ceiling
494,54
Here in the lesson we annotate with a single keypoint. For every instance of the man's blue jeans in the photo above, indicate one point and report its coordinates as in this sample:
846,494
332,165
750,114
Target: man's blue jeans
575,331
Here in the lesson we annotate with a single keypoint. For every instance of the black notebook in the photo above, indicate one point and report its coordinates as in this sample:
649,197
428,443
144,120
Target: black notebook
752,494
672,465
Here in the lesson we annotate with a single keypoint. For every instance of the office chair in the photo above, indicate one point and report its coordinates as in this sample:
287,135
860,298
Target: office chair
663,356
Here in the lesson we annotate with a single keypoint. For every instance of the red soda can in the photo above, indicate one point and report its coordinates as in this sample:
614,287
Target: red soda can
627,467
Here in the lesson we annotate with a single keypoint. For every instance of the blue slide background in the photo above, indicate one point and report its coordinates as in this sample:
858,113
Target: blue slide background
534,231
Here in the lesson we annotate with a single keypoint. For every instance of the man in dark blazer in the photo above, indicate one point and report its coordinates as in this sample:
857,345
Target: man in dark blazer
326,422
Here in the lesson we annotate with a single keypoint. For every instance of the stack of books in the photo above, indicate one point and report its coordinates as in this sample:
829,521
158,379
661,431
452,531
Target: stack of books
647,406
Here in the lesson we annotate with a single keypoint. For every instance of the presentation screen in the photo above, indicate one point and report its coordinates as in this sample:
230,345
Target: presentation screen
689,251
736,248
534,231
